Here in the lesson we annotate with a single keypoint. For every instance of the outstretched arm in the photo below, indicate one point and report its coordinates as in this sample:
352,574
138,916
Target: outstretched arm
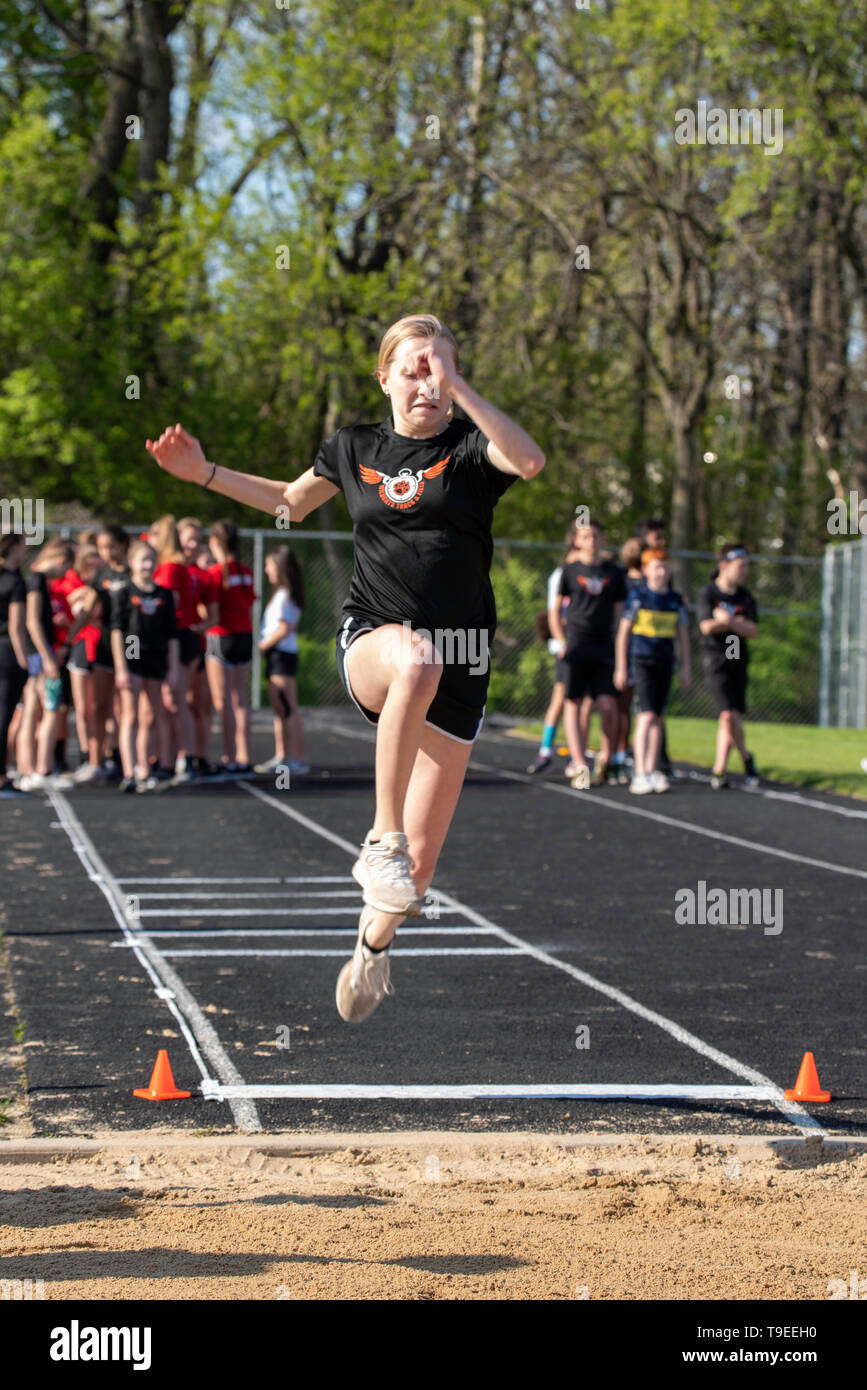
181,455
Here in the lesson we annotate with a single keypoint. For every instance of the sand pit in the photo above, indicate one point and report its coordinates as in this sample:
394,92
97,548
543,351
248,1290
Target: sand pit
432,1216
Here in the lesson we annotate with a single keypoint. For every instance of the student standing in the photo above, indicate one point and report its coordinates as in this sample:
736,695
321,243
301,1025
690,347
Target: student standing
654,618
728,618
13,646
144,644
278,640
229,648
558,693
596,590
421,489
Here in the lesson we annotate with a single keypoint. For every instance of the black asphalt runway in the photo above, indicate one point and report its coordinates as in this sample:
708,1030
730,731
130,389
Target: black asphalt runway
587,879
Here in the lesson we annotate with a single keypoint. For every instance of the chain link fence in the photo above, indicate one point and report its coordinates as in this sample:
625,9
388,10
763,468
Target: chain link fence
843,687
784,659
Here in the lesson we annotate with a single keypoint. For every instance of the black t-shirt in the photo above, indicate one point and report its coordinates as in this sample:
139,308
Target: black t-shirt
12,590
593,592
38,584
740,604
148,615
108,582
422,511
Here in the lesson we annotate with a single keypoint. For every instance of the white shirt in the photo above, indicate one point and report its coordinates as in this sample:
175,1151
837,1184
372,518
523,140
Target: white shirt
281,609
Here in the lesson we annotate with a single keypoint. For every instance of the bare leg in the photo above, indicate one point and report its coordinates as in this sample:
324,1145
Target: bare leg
575,733
218,683
296,728
126,728
239,686
432,795
396,678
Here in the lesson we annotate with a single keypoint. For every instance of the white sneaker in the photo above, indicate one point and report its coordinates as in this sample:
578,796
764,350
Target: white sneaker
183,772
39,782
580,778
87,773
641,784
365,980
383,870
271,766
659,782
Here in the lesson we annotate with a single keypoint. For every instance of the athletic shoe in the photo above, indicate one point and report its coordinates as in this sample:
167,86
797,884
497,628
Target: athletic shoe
580,781
620,773
298,765
127,784
383,870
271,766
364,980
110,770
541,763
242,770
87,773
38,782
600,773
641,784
659,782
752,776
718,781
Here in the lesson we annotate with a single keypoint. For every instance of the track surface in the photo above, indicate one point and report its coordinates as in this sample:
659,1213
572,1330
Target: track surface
587,881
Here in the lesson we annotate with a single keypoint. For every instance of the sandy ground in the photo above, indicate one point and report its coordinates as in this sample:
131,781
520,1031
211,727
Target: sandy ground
433,1217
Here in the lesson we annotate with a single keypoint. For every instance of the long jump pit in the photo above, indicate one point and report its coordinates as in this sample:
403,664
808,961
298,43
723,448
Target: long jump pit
432,1216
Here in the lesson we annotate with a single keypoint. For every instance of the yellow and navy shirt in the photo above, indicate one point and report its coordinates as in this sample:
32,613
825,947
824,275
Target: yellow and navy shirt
655,619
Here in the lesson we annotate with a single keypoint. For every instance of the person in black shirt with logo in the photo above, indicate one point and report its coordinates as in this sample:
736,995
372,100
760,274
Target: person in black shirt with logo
413,644
13,645
596,590
727,617
144,644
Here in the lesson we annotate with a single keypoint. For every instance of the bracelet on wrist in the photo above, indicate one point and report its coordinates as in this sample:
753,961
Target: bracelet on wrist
211,478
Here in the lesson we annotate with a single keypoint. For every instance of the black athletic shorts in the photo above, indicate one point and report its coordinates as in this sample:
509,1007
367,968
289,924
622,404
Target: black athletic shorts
280,663
652,680
189,645
235,650
152,665
78,660
561,672
590,671
728,684
103,660
65,687
457,709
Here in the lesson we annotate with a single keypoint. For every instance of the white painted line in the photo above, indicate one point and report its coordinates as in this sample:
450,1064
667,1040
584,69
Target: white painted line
298,878
796,798
792,1111
519,1091
270,932
324,951
168,985
181,882
253,911
689,826
255,897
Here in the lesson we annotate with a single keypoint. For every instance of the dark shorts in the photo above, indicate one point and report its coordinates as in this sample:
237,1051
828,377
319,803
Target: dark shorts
78,660
280,663
652,680
189,645
727,681
458,708
561,672
152,666
235,650
590,671
65,688
103,660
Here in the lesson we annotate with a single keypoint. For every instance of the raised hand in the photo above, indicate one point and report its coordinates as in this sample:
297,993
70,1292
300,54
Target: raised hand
436,361
179,454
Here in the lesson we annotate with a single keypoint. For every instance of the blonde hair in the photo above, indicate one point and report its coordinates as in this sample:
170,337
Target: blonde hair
166,542
414,326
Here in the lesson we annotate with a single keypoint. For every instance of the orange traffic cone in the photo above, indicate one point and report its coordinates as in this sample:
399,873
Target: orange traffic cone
807,1085
162,1085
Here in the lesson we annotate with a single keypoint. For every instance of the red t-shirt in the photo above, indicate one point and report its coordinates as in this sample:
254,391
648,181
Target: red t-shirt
90,633
176,576
58,592
235,600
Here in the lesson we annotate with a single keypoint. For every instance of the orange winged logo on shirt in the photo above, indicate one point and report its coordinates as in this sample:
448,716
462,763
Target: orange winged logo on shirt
405,488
